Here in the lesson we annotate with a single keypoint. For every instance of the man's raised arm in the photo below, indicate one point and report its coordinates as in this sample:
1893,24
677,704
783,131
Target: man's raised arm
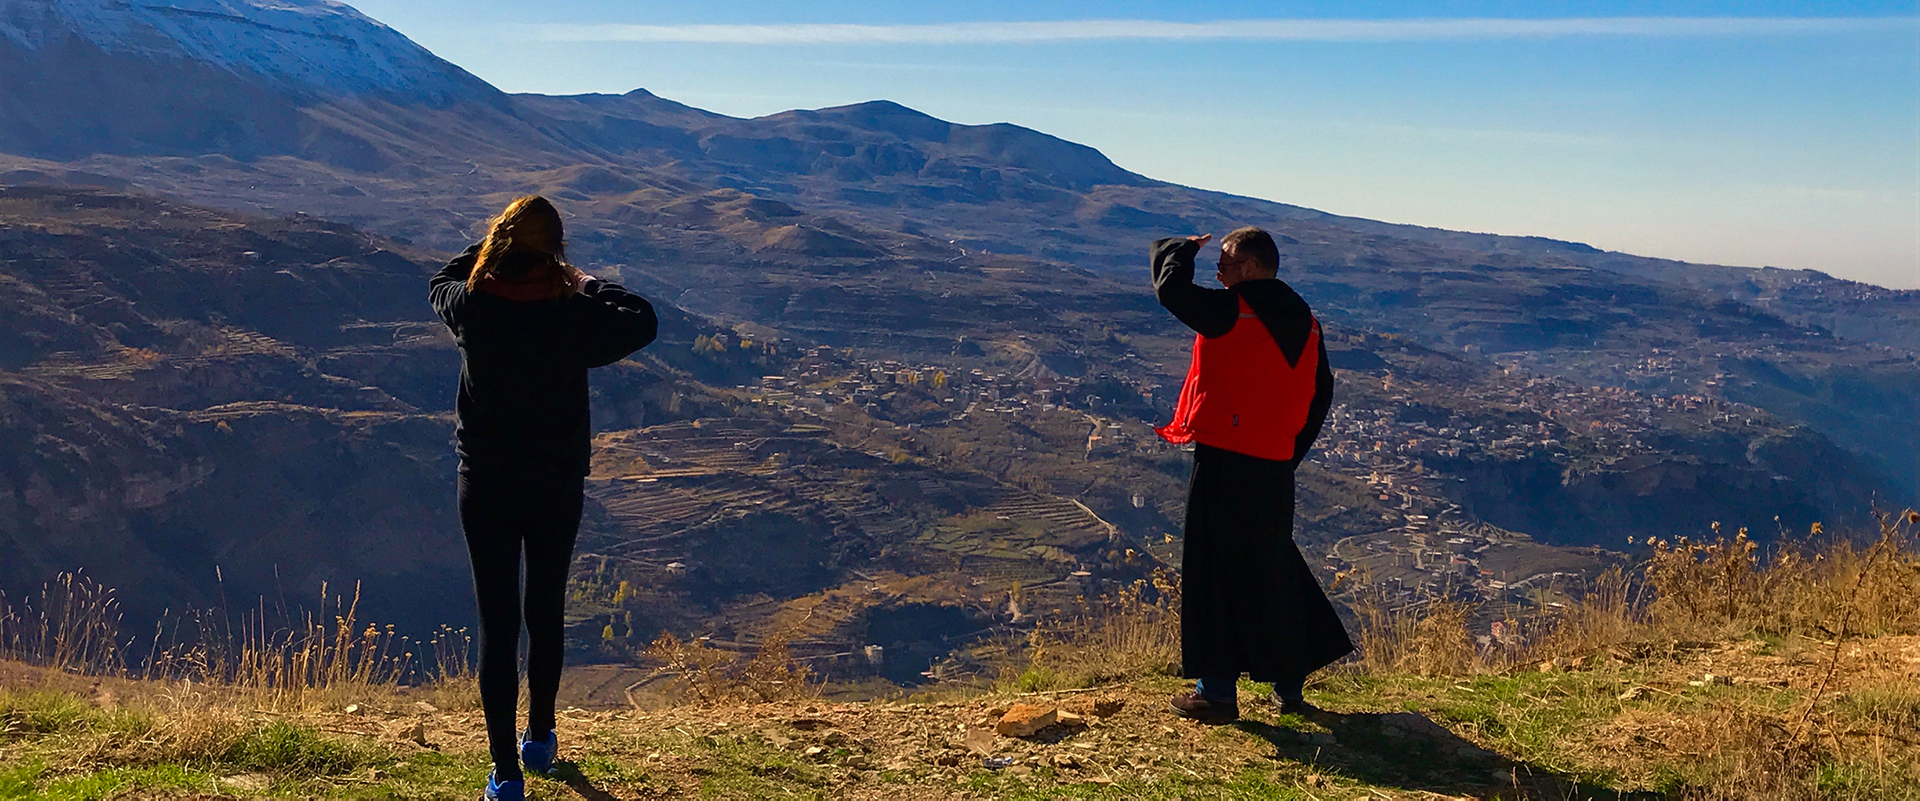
1209,312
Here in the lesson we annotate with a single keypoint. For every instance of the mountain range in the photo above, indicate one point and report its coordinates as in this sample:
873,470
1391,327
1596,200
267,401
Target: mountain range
221,213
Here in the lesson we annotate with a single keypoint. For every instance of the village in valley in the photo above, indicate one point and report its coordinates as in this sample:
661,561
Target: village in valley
1387,499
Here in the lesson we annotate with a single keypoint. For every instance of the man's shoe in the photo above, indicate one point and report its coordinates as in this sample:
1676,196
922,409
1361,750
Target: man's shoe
509,790
1292,704
538,756
1206,710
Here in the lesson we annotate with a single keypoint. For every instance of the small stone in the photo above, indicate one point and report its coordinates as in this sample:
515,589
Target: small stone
979,740
1070,720
1067,761
1634,694
249,782
1413,723
1547,666
858,762
1024,720
352,709
426,707
814,751
1108,707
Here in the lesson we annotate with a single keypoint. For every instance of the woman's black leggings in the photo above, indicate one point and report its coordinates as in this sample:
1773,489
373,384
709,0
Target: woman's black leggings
502,517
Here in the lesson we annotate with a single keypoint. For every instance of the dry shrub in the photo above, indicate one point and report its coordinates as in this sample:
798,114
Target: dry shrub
1607,616
712,676
1842,589
773,674
1429,638
1700,584
1827,588
1129,633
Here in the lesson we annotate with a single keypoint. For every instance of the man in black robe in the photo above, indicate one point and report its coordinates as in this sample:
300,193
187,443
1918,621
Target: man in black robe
1250,603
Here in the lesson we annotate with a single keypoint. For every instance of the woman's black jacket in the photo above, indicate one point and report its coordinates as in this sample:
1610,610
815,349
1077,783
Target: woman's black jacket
522,409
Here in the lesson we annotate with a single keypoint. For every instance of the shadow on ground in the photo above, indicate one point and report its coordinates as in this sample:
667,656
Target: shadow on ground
569,774
1409,751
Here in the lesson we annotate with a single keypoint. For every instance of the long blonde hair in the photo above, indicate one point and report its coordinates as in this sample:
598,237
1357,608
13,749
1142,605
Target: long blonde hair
524,237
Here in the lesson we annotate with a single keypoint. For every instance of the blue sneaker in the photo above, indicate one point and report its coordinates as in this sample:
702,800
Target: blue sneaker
509,790
538,756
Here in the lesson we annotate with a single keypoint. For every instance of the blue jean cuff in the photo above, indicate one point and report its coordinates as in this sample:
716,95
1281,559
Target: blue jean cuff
1218,688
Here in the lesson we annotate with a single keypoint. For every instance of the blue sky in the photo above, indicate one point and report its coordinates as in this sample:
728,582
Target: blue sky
1748,133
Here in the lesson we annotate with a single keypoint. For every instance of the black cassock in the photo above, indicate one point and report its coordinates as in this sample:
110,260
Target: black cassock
1249,602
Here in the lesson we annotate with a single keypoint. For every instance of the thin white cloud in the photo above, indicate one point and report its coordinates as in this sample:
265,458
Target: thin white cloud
1278,30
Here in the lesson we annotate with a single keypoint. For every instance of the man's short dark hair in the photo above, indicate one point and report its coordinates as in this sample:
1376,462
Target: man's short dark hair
1254,243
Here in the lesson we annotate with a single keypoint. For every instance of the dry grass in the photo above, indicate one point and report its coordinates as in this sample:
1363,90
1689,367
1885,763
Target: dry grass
1817,716
1824,705
172,726
1427,639
1133,632
1831,586
74,626
710,676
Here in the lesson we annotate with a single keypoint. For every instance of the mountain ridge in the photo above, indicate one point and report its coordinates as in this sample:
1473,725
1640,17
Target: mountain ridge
318,46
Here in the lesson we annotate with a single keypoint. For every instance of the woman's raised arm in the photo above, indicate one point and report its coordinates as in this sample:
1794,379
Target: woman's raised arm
617,322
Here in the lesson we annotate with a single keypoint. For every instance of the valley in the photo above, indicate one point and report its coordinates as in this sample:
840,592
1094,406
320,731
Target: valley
908,368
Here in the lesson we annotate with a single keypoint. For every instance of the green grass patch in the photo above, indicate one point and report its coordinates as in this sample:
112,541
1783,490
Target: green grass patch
43,713
1524,716
287,749
32,781
431,774
1038,678
748,768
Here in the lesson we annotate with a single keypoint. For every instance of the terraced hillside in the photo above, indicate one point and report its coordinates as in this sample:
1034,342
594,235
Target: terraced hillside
231,407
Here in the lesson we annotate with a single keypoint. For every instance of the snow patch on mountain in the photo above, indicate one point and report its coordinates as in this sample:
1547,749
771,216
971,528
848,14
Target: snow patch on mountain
304,44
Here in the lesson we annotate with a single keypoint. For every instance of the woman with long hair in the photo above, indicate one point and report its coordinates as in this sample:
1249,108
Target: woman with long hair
529,325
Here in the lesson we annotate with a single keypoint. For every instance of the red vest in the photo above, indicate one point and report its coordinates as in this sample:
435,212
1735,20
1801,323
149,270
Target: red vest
1246,399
